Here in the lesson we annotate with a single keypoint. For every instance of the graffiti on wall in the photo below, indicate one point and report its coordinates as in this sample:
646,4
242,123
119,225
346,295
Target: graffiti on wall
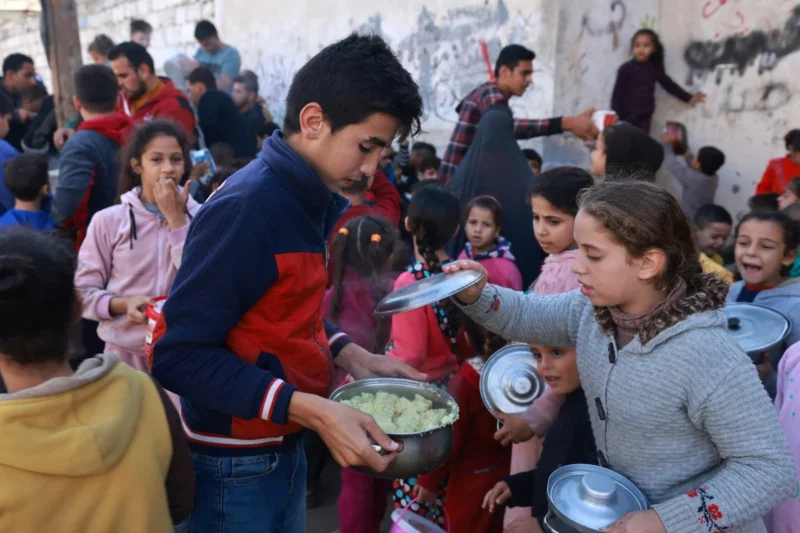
605,21
762,49
762,99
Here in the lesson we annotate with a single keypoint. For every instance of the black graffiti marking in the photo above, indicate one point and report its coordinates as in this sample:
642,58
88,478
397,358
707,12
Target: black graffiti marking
595,29
770,97
741,51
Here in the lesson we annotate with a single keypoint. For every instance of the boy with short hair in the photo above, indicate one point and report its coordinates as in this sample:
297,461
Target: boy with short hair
33,97
534,160
714,224
89,164
221,59
241,337
429,168
781,171
697,175
26,177
141,31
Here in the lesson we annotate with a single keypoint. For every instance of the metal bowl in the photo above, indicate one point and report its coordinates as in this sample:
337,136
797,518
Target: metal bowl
420,453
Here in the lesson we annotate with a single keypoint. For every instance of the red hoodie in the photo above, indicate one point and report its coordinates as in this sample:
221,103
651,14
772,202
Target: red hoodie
777,176
164,102
89,172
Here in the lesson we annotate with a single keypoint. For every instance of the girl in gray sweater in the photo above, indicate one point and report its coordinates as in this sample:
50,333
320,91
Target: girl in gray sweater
675,405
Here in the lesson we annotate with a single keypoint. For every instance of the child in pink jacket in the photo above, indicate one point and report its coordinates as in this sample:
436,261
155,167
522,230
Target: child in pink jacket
484,223
554,201
133,250
785,517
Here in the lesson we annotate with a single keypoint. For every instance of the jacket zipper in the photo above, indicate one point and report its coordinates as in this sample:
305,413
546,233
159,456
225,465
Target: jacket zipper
327,353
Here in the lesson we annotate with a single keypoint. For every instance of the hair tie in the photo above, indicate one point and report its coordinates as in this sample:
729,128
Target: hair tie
376,237
344,231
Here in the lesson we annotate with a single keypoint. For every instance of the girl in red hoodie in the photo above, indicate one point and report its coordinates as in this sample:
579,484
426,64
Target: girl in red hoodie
430,338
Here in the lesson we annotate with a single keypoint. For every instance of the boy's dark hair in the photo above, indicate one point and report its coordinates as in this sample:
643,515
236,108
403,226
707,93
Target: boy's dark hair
205,30
6,105
790,228
35,93
711,160
219,177
561,187
631,154
138,143
37,296
763,202
424,184
430,162
352,79
139,25
136,54
424,149
223,154
102,44
510,56
268,129
14,62
489,203
532,155
96,87
25,175
250,82
203,75
792,140
712,214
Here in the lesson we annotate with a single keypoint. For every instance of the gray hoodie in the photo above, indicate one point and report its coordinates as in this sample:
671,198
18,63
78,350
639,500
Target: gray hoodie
684,417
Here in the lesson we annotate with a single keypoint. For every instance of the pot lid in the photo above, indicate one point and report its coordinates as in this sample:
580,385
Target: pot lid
509,381
591,496
426,291
756,328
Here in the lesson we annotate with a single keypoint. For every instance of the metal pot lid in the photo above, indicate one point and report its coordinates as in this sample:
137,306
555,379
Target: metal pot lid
757,329
426,291
591,496
509,381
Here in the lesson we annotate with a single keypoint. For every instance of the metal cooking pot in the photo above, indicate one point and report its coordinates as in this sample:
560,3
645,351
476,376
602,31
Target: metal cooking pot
420,453
586,498
756,329
509,380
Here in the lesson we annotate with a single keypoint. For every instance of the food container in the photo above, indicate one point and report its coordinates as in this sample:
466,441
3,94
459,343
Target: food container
604,119
586,498
757,329
152,312
419,453
509,380
426,291
410,522
676,135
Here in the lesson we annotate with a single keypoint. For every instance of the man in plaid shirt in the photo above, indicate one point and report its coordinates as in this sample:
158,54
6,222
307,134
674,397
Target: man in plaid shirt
513,72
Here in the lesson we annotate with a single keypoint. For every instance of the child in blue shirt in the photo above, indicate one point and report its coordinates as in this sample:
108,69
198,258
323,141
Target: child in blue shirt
27,179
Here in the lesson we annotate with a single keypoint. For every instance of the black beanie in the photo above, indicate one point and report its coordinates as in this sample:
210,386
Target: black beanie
631,154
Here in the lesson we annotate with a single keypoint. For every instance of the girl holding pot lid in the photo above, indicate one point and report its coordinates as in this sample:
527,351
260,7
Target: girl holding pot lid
675,405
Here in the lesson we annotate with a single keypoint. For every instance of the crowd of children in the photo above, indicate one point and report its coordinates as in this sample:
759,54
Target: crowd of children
619,303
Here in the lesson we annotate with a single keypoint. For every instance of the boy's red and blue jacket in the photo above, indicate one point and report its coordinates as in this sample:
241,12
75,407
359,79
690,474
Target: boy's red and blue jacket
242,328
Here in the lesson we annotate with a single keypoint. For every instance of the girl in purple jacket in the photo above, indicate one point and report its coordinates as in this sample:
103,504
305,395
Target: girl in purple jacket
133,249
634,98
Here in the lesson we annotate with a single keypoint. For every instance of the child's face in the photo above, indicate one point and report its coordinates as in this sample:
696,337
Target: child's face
481,229
786,199
608,275
598,157
429,174
557,365
536,167
98,58
794,156
553,228
712,238
32,106
643,48
162,159
761,253
5,120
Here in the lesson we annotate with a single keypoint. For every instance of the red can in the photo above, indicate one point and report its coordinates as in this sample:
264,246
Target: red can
152,312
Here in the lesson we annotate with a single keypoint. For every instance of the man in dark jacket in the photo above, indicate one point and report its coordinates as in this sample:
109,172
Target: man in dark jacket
18,75
245,96
89,164
220,120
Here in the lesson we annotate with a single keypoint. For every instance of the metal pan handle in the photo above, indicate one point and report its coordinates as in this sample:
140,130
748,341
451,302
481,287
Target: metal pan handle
500,424
546,522
381,451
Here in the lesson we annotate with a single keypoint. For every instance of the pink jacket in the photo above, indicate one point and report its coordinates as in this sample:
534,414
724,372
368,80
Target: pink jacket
120,259
502,272
785,518
417,340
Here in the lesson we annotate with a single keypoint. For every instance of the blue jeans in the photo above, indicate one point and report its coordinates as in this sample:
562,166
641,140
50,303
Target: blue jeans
258,494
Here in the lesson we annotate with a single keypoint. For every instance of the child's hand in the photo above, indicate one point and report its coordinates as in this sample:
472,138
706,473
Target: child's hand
198,171
470,295
524,524
514,430
499,495
697,98
172,202
135,306
638,522
423,495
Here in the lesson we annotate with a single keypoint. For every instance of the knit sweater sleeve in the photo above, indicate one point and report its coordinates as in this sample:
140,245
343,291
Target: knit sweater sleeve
549,320
757,471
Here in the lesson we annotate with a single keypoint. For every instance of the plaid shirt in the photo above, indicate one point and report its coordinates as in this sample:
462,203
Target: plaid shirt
470,111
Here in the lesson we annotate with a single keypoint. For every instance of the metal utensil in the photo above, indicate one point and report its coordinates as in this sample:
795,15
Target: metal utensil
757,329
509,380
426,291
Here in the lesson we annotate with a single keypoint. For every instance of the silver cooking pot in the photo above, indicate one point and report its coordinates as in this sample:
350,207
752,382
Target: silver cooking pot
420,453
585,498
757,329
